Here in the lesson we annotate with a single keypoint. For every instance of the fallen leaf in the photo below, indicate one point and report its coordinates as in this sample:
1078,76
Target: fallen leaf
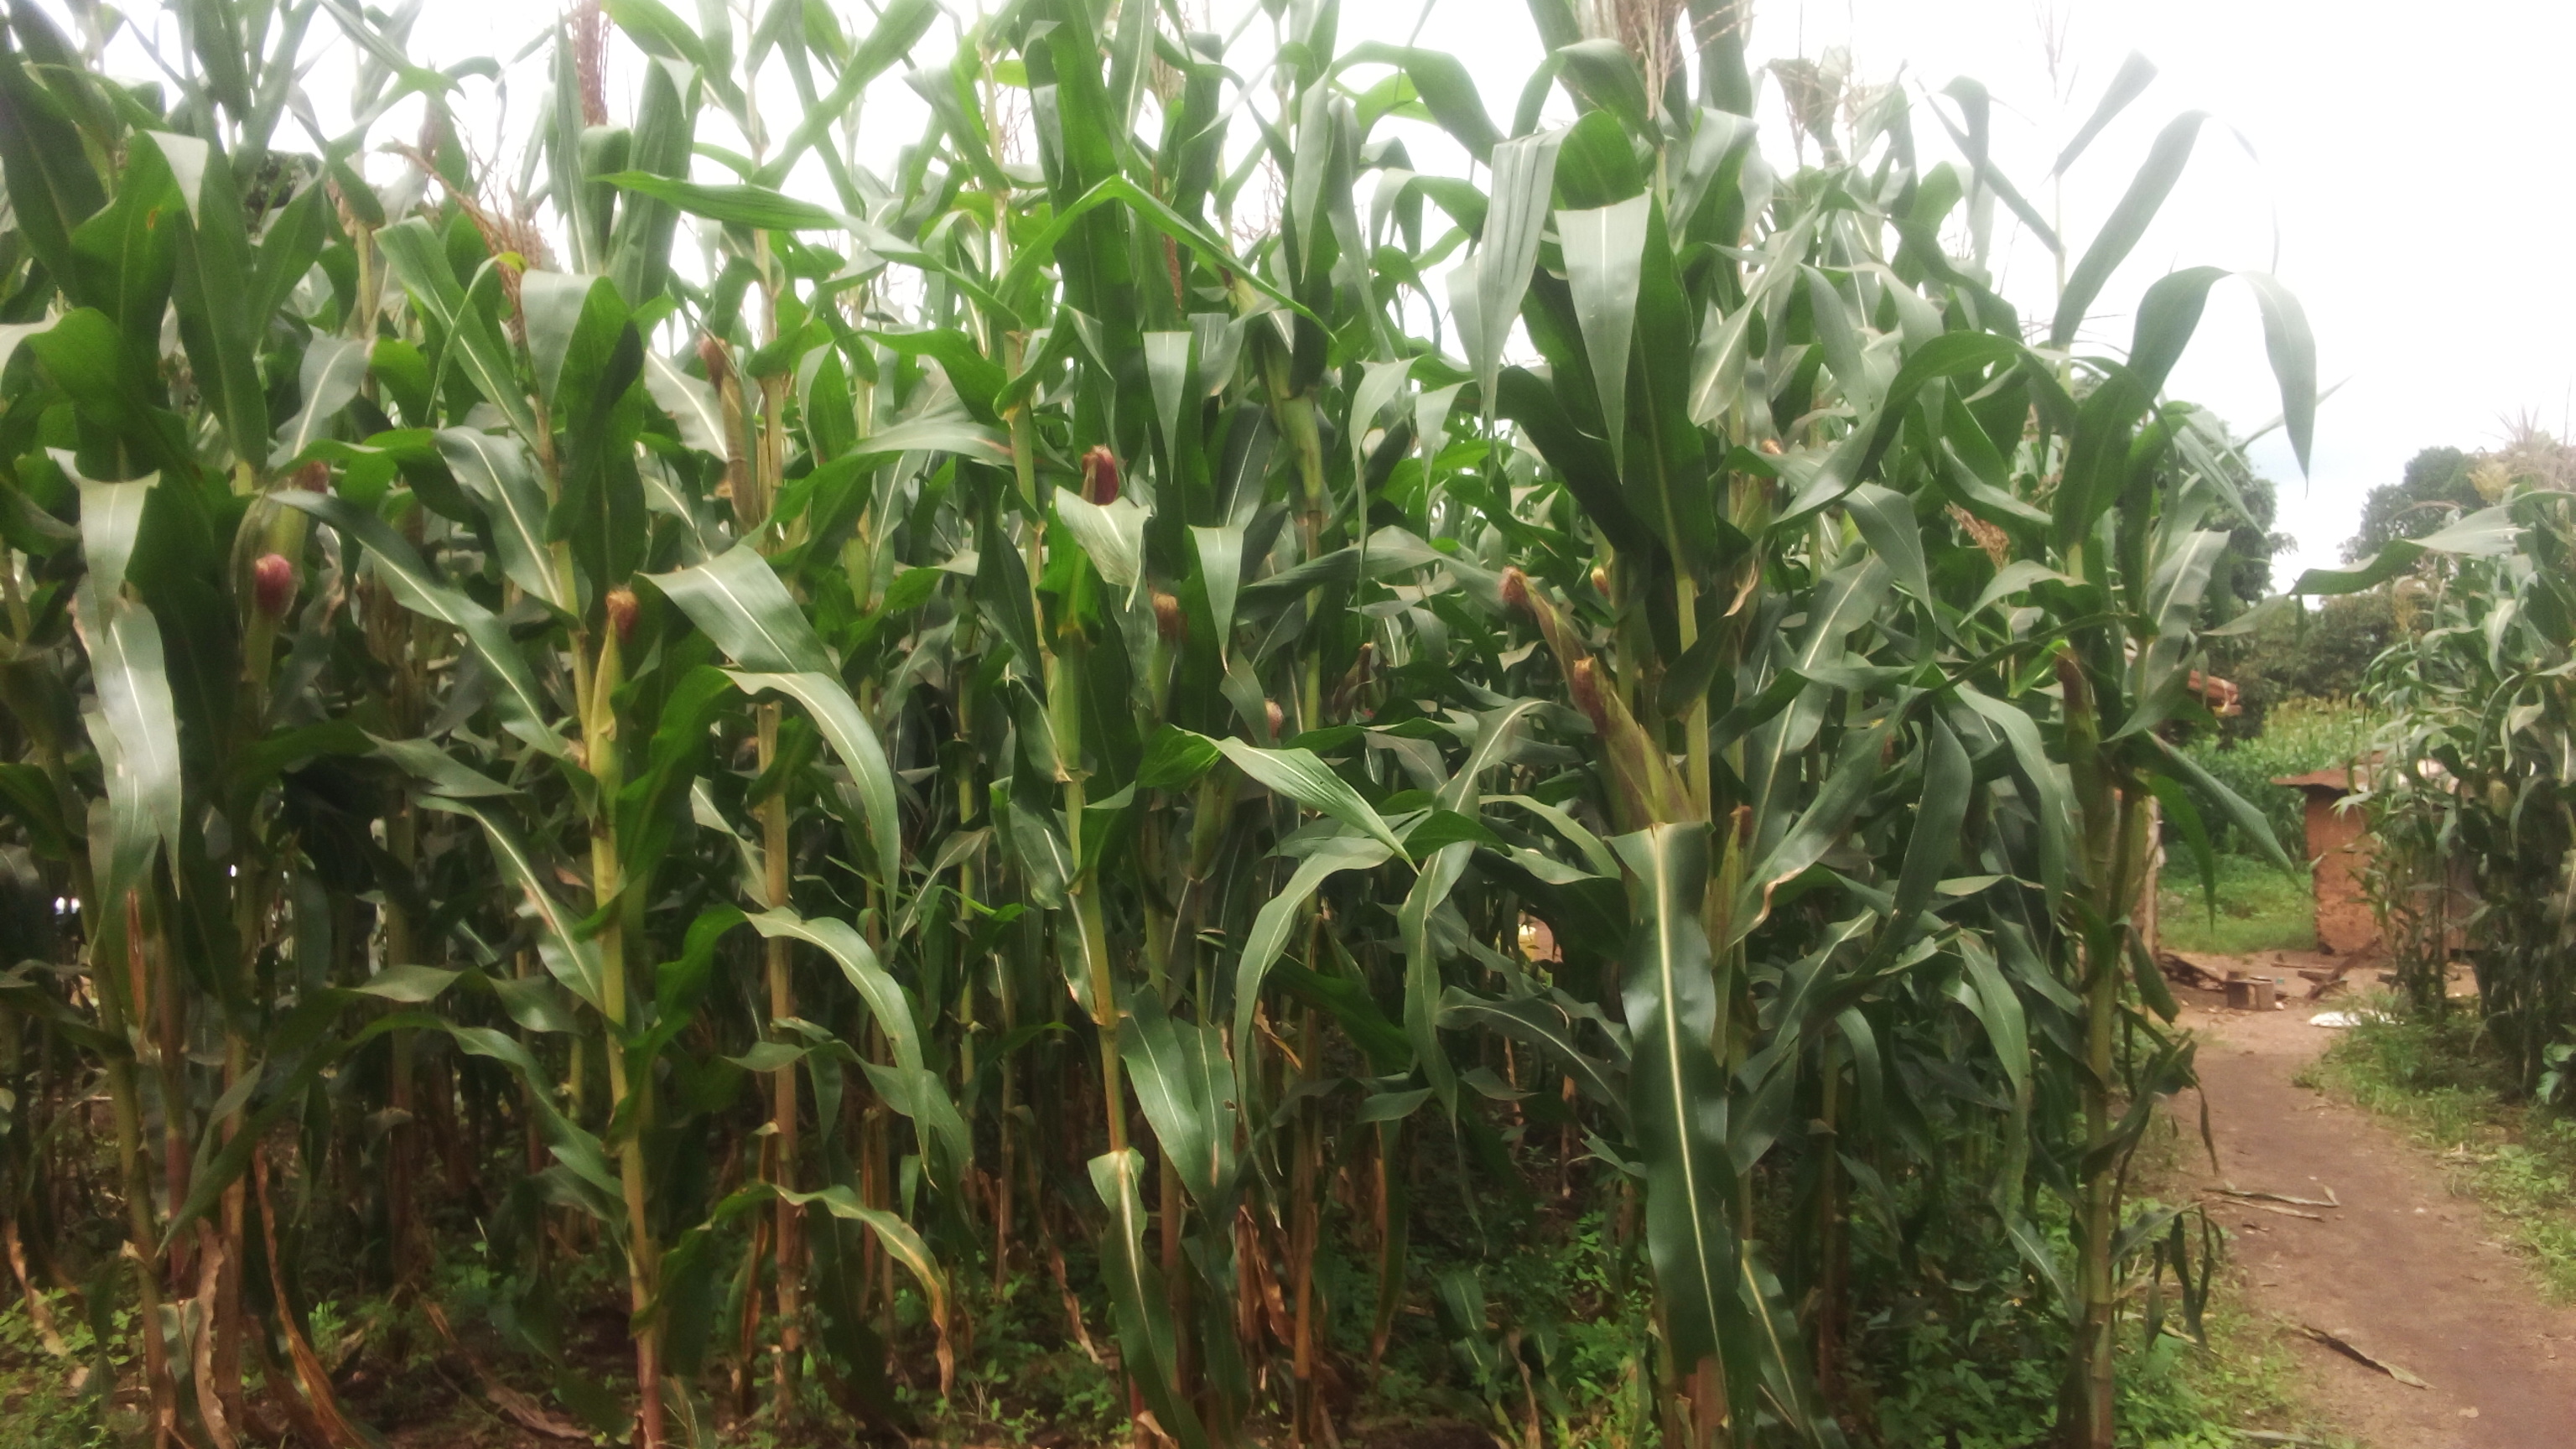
2286,1212
520,1409
2329,1200
2344,1346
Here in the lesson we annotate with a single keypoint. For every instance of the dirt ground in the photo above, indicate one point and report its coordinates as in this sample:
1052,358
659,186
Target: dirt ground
2403,1270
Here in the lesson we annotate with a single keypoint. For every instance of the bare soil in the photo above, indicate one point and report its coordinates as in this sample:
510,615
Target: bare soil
2404,1270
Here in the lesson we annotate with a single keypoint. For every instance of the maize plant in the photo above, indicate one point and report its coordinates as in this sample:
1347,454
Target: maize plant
2464,791
1013,712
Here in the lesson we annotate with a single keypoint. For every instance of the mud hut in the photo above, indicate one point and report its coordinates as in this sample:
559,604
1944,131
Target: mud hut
2339,844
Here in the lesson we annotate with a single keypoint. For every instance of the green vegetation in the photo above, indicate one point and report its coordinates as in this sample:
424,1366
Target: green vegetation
2299,649
2446,1083
2436,488
2261,907
754,786
2471,806
2297,735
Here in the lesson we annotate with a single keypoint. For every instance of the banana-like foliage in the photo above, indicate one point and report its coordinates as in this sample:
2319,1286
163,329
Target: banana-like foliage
1134,688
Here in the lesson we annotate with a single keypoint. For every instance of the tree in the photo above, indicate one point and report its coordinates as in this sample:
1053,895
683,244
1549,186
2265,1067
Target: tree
2319,652
2437,487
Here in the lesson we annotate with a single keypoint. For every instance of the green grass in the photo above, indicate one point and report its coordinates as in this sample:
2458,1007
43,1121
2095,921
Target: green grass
2440,1081
39,1408
2259,907
2248,1379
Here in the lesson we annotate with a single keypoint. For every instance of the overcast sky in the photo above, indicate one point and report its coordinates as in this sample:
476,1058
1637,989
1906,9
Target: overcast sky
2366,153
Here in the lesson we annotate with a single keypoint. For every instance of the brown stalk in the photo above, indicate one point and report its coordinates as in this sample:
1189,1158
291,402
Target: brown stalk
323,1412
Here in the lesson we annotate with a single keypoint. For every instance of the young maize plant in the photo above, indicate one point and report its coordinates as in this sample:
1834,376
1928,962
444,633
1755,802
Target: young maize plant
1015,708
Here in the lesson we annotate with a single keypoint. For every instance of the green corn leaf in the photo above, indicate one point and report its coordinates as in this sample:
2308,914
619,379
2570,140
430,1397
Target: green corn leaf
1169,372
1038,843
1671,1003
1496,732
2178,806
215,321
738,600
568,955
762,208
827,701
885,1000
1603,247
1144,1314
1524,173
522,710
2256,826
1185,1084
691,403
442,772
128,256
1111,535
332,370
977,378
1998,1009
2174,594
2167,316
657,31
52,188
2135,75
2487,533
2293,352
1949,355
1933,844
1174,759
2126,225
420,261
1973,141
1886,519
902,1244
142,766
1547,1025
1447,90
573,329
1040,249
1600,72
1299,775
2053,799
1422,984
1839,336
500,476
639,240
1277,917
1846,788
900,25
1220,552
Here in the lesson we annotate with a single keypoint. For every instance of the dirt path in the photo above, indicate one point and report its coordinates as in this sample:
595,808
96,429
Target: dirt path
2403,1269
